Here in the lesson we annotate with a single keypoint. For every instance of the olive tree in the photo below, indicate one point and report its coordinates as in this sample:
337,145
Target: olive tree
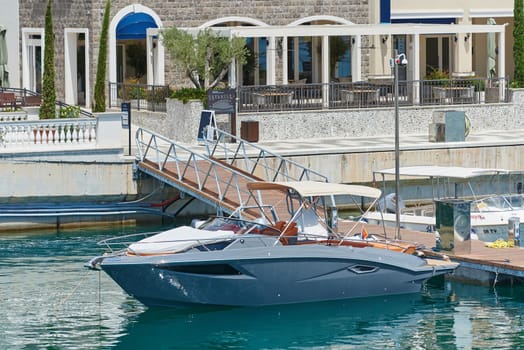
205,57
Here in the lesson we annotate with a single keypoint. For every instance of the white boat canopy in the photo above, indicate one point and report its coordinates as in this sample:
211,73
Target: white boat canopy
317,189
433,171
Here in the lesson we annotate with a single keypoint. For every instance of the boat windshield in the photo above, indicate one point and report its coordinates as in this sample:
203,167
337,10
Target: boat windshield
516,201
238,226
494,203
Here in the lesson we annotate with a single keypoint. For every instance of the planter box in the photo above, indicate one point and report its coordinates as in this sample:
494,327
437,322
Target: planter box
182,121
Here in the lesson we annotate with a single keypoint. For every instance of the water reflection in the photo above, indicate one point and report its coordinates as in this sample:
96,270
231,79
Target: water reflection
302,325
450,315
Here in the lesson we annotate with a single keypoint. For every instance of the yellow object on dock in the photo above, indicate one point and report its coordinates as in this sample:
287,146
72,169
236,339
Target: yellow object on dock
500,243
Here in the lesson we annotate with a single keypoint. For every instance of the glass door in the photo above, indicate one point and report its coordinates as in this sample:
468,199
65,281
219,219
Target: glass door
34,50
437,54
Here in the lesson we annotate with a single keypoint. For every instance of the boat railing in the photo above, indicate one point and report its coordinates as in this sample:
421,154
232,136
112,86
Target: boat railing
116,244
204,170
256,160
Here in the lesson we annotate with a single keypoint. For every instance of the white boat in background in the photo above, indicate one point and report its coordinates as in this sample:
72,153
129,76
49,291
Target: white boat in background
490,214
285,254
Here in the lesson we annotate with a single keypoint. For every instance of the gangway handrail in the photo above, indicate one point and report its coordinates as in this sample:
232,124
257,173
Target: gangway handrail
235,150
186,161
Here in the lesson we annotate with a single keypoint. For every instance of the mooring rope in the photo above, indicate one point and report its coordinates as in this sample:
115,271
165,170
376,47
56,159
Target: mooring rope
82,280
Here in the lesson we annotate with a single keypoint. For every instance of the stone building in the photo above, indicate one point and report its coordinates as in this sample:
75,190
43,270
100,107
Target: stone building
135,53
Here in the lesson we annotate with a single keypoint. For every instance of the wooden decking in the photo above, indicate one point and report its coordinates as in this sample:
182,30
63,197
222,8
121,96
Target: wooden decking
209,189
489,265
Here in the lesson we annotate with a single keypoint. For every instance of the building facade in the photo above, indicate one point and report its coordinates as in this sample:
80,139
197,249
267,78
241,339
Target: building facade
357,32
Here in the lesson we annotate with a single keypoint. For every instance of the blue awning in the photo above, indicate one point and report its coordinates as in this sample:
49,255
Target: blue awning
425,20
134,26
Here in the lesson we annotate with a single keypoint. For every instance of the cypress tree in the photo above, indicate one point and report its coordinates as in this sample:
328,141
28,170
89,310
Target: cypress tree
47,109
100,97
518,44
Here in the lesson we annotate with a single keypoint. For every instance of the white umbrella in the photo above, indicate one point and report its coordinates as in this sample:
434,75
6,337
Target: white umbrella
4,72
492,52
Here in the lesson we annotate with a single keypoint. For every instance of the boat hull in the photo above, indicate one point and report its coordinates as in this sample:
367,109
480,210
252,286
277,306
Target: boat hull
269,275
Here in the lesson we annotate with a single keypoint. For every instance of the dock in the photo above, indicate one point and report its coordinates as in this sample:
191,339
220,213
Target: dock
482,265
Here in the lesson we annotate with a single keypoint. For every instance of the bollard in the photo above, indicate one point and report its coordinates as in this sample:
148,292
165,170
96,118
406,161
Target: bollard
514,230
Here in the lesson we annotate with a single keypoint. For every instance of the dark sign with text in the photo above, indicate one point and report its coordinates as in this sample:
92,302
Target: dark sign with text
126,115
222,101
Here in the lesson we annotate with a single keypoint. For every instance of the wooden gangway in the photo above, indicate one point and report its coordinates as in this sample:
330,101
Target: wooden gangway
217,171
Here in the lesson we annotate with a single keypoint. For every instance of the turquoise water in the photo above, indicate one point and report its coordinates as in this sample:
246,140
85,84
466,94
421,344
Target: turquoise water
49,301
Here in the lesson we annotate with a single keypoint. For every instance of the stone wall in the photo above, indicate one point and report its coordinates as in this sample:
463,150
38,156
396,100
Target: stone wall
376,121
180,123
66,14
195,13
275,13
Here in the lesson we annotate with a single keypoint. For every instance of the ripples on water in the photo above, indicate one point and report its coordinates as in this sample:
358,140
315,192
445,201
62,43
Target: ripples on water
48,300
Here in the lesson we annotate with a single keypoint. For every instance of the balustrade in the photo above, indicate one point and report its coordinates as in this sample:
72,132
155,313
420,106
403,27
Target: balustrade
55,132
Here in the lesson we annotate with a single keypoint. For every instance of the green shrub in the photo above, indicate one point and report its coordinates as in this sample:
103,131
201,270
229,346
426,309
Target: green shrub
441,77
437,74
186,94
69,112
479,84
131,92
158,95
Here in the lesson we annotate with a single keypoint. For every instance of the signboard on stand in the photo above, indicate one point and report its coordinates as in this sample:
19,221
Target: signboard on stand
207,118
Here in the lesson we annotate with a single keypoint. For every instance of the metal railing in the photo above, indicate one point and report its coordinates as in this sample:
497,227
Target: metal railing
336,95
12,99
140,96
165,153
295,97
256,160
